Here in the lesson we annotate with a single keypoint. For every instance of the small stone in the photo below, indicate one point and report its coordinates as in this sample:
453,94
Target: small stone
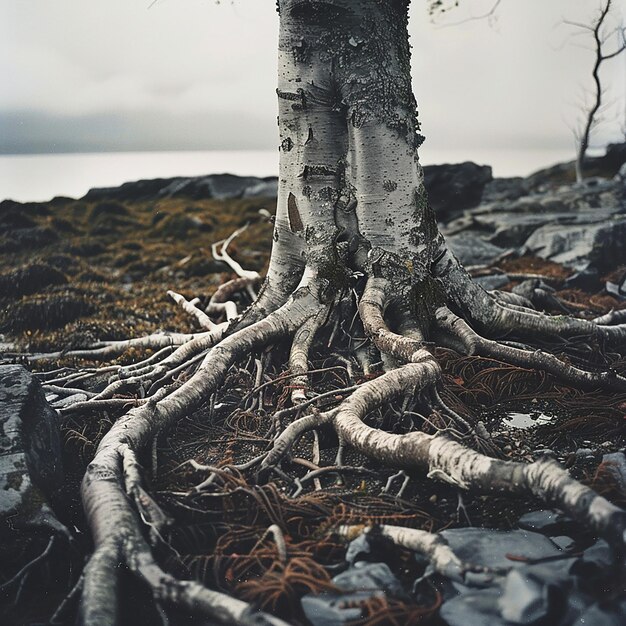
614,464
544,452
563,542
584,454
474,608
547,522
492,548
524,600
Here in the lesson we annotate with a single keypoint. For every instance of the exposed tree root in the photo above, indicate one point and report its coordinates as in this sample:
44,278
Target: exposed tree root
125,520
431,545
360,278
115,525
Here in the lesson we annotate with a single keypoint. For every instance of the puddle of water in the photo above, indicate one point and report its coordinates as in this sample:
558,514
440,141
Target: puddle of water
527,420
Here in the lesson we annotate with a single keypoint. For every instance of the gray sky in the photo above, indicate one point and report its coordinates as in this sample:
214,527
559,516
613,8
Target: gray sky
107,75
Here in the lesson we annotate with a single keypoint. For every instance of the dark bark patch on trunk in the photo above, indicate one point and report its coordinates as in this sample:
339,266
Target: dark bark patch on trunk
310,140
317,170
318,12
295,221
298,98
327,194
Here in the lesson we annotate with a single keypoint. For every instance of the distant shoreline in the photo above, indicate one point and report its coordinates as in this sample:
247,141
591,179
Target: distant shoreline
38,178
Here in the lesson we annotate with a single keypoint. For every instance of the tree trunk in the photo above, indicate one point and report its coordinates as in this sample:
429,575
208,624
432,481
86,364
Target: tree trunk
351,191
355,244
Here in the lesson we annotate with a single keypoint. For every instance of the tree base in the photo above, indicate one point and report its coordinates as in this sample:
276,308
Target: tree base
308,432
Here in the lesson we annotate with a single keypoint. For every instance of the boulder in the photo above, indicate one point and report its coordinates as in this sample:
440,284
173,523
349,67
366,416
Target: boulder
601,245
605,166
471,248
454,188
500,189
218,186
30,453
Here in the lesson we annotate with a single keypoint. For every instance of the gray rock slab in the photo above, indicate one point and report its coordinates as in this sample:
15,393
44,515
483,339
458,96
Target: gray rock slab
615,464
579,226
533,592
452,188
545,521
30,451
602,244
363,576
471,248
475,608
359,583
490,548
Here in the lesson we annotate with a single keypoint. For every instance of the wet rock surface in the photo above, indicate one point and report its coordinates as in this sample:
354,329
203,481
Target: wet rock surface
30,451
529,577
216,186
579,225
452,188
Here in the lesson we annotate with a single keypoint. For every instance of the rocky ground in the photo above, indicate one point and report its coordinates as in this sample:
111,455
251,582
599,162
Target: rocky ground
77,271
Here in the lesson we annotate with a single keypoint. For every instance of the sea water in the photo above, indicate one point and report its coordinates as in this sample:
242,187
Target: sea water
40,177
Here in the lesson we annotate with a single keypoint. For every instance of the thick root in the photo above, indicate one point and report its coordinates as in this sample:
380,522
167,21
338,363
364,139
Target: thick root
114,523
126,521
445,459
538,359
299,355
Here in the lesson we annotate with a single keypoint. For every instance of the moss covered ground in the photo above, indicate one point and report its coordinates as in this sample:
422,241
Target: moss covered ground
74,272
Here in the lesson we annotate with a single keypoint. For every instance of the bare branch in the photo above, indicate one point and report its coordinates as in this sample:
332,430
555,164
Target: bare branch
592,115
474,18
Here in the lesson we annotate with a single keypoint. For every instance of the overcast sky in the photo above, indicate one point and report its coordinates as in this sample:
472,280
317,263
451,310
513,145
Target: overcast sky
107,75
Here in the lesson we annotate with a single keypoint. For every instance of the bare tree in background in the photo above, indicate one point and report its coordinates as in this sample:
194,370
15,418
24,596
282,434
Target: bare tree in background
603,32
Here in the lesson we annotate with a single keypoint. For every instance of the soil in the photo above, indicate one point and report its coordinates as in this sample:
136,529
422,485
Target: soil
74,272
